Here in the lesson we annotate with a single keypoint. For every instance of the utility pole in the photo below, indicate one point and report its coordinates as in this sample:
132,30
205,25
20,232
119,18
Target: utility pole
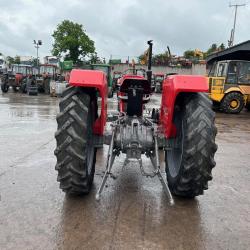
37,44
231,41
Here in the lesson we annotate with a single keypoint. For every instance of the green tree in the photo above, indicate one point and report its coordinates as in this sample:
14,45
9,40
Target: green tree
17,60
158,59
71,41
222,46
188,54
10,60
94,58
213,48
161,59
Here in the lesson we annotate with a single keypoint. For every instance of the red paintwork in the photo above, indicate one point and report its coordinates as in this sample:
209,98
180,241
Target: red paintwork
93,79
172,86
18,78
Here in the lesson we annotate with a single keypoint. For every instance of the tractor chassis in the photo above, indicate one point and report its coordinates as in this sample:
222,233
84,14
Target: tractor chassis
134,136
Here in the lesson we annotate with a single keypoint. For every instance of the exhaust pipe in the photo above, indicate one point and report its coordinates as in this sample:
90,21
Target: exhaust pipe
149,71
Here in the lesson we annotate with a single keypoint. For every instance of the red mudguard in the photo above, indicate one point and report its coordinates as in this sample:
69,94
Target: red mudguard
97,80
172,86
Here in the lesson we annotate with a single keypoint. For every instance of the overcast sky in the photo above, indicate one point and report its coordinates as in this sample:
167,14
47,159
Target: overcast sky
122,27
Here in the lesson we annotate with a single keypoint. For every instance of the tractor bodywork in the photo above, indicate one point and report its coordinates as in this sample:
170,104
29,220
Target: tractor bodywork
183,126
93,81
172,87
16,77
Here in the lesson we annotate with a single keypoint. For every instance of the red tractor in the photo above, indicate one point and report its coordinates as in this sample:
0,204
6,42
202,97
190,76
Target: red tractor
46,73
116,76
16,77
158,81
183,126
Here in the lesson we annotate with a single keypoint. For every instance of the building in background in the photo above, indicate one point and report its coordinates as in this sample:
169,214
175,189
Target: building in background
54,60
3,64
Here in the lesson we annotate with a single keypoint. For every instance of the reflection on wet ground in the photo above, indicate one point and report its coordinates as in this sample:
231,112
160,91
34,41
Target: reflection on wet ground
134,212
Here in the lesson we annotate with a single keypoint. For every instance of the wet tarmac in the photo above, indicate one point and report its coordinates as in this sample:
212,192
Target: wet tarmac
134,212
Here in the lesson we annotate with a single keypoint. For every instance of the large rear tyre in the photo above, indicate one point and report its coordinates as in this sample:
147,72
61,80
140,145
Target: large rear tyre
189,163
4,87
232,103
24,87
75,151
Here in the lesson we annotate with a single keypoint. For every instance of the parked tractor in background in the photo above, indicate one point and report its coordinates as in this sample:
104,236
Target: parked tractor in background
116,76
46,73
158,81
16,78
184,128
133,71
106,68
229,85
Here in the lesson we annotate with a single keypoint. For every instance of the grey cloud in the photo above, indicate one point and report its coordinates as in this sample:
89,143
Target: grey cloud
119,27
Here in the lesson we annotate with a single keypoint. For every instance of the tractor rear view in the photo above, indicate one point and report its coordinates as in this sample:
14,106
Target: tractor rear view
47,72
183,125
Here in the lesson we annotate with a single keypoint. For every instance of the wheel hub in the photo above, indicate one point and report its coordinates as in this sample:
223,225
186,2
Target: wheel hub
234,104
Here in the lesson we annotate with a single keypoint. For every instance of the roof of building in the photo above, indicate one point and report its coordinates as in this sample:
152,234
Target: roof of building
240,51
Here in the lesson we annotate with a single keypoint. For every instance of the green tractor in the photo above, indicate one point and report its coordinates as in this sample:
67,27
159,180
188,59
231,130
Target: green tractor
106,68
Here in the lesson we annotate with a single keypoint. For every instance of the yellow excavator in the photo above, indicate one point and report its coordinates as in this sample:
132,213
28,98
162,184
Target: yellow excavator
229,78
229,85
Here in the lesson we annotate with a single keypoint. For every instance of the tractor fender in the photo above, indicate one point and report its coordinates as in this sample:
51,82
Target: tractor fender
234,89
172,87
98,81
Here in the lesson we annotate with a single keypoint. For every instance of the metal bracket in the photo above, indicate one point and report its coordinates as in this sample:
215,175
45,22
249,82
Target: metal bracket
156,164
110,161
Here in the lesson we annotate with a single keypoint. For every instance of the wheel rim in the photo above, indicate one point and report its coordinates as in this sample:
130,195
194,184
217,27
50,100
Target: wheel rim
175,154
234,104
